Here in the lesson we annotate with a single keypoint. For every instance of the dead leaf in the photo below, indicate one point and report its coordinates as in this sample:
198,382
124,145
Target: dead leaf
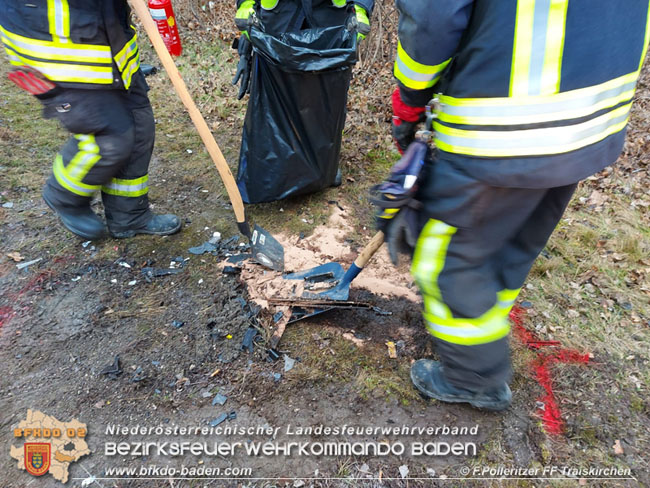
392,352
597,198
618,449
15,256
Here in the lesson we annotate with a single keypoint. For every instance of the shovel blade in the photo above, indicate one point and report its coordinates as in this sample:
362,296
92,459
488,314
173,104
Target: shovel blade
266,249
322,273
340,292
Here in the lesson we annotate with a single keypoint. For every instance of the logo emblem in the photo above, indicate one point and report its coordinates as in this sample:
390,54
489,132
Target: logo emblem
37,458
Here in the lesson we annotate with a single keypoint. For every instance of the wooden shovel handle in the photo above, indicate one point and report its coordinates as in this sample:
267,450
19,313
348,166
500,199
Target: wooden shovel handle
369,250
142,12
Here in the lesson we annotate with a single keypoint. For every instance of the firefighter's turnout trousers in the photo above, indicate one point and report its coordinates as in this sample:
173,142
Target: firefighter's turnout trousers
110,149
471,259
89,49
534,96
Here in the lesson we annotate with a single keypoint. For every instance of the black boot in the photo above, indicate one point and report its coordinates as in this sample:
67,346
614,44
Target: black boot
428,378
79,220
159,225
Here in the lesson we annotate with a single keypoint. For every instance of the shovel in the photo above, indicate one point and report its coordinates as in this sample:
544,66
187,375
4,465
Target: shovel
265,249
334,270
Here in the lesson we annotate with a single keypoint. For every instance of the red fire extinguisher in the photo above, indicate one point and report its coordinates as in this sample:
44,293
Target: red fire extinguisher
163,14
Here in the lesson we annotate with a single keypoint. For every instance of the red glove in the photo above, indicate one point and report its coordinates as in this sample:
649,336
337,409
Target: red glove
31,80
405,121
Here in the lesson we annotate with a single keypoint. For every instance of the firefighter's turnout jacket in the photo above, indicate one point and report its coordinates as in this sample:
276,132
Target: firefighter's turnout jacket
89,49
76,43
534,95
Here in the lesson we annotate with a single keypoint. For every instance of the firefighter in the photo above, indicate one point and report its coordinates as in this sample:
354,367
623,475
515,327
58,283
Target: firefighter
533,96
279,16
86,55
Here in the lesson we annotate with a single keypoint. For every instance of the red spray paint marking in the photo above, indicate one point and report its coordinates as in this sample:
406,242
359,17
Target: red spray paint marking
552,416
6,314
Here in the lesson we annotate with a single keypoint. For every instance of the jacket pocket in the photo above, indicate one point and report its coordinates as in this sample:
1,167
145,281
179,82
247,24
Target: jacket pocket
86,26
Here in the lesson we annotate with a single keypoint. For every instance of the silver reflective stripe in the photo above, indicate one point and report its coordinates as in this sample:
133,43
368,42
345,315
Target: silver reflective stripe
13,57
131,48
538,50
61,51
60,174
542,112
414,75
67,71
468,329
521,141
59,21
127,188
88,151
81,164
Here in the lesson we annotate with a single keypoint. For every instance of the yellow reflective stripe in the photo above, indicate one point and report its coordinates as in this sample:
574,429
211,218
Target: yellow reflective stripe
506,298
72,73
551,72
130,48
522,47
361,14
268,4
130,69
87,53
51,19
13,58
428,261
541,108
69,183
86,157
414,75
58,15
532,142
468,334
245,9
537,47
647,40
388,213
127,188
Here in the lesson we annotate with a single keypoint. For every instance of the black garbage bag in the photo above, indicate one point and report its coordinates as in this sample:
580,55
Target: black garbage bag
296,112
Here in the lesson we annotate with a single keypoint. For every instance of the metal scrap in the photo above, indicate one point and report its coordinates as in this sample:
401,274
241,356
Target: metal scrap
219,399
113,370
249,337
203,248
156,272
223,417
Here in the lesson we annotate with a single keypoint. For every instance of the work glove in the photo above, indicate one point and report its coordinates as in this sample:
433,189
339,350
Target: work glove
243,73
402,232
363,22
405,121
398,211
